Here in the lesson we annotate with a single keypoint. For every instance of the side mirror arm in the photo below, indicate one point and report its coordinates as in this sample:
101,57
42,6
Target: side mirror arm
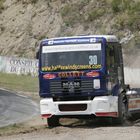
37,55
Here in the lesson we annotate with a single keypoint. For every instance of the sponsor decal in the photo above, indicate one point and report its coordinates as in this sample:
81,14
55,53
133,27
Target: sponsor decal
72,40
69,47
92,74
50,42
71,67
71,74
49,76
134,104
93,39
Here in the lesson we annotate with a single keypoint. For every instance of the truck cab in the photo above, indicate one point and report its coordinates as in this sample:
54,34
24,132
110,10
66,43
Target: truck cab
82,76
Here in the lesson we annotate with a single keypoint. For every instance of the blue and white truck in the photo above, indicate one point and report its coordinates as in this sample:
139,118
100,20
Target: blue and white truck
83,76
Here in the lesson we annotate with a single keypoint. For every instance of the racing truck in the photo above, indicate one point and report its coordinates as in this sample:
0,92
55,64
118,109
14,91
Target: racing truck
83,76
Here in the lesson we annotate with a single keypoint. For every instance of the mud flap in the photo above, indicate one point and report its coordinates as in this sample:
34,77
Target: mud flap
122,110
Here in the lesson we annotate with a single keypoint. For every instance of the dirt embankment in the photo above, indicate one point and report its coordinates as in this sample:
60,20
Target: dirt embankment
24,23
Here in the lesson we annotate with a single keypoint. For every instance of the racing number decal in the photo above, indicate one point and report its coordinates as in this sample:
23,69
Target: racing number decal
92,59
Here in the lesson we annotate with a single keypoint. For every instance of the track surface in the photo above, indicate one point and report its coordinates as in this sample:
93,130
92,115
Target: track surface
15,108
78,130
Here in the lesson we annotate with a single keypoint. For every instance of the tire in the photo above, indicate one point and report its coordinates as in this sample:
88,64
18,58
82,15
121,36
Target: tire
122,110
53,121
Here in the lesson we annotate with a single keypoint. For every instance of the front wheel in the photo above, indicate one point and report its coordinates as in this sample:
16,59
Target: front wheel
122,110
53,121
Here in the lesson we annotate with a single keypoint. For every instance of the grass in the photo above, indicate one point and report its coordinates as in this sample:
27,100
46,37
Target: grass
18,82
17,129
9,129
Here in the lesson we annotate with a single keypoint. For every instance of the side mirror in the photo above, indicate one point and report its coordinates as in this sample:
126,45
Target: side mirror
37,55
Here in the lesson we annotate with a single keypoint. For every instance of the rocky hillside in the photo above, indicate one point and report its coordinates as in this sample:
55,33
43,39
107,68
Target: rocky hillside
23,23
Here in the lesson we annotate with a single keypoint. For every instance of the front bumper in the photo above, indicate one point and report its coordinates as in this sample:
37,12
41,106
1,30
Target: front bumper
99,106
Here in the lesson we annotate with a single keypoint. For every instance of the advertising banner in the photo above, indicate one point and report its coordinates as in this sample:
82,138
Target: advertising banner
19,65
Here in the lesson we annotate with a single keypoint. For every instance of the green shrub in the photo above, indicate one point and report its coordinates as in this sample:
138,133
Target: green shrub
128,14
2,28
95,14
121,21
28,1
134,22
82,4
33,1
125,5
120,5
1,5
134,8
65,10
71,14
134,16
115,6
42,36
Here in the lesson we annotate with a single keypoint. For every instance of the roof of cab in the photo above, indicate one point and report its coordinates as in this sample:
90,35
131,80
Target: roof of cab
109,38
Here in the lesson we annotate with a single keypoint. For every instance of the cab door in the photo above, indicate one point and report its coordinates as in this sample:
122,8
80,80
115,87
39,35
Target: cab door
113,68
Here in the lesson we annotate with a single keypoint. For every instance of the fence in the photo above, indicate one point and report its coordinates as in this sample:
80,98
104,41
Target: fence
132,76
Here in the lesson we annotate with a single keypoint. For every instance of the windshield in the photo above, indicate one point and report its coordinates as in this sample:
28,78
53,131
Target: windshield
71,57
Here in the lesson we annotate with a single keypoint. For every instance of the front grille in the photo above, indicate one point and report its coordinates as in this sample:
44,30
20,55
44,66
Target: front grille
87,85
75,86
55,87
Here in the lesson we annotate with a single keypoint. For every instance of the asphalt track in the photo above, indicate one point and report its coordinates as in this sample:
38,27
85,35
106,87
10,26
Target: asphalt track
15,108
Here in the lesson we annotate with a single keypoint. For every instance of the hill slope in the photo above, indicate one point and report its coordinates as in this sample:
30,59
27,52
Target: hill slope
23,23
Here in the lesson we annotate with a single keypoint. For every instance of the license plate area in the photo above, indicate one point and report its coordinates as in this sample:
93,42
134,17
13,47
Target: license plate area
72,107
